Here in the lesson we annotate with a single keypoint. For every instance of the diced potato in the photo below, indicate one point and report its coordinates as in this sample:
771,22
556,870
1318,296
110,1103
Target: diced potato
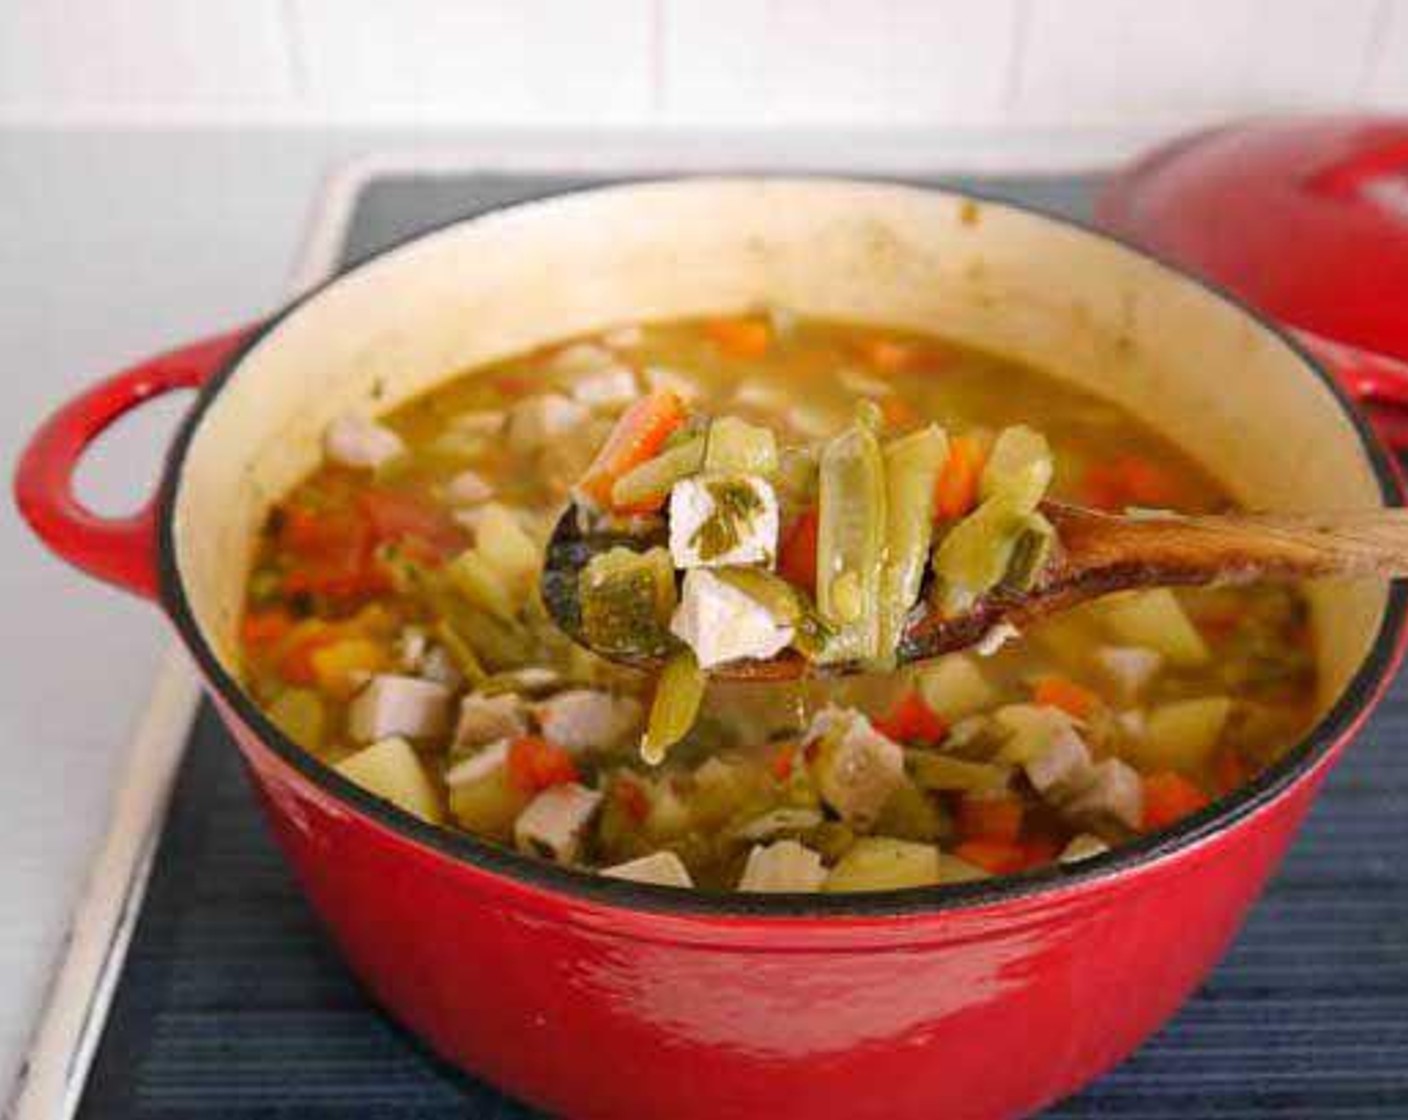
954,687
506,546
783,866
955,870
1030,729
1154,619
856,768
489,805
876,863
392,770
1181,735
1084,846
664,869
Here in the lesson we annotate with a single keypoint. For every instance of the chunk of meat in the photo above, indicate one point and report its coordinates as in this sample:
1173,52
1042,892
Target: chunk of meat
663,868
1114,792
783,866
358,442
1063,767
537,421
553,823
612,387
479,765
484,719
720,623
468,488
584,719
1127,670
393,705
856,768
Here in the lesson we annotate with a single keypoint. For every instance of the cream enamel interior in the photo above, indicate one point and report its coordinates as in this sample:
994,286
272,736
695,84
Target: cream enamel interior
1079,306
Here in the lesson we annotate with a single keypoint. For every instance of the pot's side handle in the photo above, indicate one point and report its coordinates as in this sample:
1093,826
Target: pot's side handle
1378,382
120,550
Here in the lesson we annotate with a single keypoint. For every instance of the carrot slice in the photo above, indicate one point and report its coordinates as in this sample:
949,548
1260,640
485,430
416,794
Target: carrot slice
885,355
990,818
398,515
956,491
998,857
262,629
913,721
638,436
746,338
782,762
1169,797
796,558
1058,692
1040,850
535,764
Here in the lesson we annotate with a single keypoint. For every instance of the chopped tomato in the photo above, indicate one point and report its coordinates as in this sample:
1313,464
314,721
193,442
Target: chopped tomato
511,386
913,721
745,338
1229,771
535,764
1130,480
333,553
1059,692
633,799
321,534
796,559
296,660
1169,797
886,355
1040,850
783,761
998,857
262,629
897,411
638,436
396,515
990,818
956,491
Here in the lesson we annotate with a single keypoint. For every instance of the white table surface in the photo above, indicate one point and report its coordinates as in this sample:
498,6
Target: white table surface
114,245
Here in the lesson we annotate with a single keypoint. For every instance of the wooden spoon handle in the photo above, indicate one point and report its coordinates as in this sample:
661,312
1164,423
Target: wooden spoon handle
1180,549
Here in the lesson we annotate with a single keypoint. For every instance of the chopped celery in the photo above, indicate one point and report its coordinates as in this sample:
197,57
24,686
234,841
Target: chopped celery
910,814
480,583
627,598
851,542
678,694
461,653
1035,543
877,863
654,478
300,715
738,447
944,773
1019,468
974,555
1154,619
912,466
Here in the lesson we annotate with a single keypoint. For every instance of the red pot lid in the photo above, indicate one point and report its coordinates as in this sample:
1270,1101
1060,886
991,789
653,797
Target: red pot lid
1306,219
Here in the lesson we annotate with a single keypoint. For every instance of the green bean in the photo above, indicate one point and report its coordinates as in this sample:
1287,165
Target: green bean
1018,469
851,542
738,447
912,466
678,694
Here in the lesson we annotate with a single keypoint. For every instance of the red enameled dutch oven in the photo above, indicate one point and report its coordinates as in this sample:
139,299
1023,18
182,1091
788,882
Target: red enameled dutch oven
599,998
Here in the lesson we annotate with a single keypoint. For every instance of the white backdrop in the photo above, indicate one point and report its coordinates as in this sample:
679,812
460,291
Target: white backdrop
1109,65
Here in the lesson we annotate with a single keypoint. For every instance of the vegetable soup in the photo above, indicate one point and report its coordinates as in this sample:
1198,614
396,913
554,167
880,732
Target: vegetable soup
394,629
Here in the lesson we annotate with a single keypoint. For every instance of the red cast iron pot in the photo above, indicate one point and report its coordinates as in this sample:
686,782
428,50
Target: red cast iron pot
599,998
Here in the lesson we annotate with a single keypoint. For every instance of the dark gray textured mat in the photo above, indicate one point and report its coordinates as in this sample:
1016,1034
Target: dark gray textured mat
231,1004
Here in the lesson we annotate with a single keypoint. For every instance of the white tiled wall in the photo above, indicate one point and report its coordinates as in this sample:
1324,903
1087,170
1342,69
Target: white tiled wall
726,63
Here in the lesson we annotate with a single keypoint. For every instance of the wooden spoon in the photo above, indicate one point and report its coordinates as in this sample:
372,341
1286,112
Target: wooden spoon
1098,553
